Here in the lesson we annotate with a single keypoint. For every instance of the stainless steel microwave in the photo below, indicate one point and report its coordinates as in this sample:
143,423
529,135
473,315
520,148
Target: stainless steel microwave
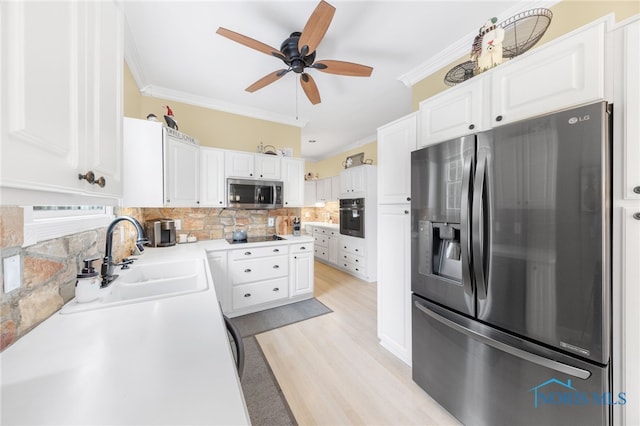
254,194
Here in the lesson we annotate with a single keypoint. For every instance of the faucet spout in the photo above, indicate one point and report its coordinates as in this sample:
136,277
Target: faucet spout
106,270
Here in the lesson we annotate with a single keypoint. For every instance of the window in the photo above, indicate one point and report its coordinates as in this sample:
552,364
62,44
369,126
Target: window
47,222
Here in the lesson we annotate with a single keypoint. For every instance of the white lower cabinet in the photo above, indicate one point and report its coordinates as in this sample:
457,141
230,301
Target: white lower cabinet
251,279
394,279
326,244
351,255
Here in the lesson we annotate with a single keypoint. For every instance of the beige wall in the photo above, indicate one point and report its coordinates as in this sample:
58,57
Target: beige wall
211,127
333,165
567,16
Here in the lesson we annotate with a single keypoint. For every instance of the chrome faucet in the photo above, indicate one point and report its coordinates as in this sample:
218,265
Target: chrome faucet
107,264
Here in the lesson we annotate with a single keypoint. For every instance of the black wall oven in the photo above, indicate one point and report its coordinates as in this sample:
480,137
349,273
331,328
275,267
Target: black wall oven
352,217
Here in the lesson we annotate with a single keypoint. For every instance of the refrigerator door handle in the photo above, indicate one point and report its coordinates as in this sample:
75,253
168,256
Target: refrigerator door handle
501,346
479,234
465,231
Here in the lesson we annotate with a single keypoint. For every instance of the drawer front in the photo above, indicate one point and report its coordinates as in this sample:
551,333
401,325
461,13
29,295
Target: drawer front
253,252
262,292
352,258
321,253
353,246
321,240
353,268
317,230
302,248
244,271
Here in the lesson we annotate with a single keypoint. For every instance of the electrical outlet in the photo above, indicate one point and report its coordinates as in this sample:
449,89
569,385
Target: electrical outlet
271,221
11,273
178,224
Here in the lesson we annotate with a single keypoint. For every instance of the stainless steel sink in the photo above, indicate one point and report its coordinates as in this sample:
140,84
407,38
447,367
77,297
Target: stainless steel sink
148,282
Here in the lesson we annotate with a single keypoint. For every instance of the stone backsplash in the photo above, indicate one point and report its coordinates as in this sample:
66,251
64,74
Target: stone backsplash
329,213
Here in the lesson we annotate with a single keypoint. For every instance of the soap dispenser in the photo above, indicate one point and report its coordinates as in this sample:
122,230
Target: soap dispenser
88,284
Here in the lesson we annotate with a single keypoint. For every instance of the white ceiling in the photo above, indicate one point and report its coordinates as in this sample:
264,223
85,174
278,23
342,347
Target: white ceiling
174,52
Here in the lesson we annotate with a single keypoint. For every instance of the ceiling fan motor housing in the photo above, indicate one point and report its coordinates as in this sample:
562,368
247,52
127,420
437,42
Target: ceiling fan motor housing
293,58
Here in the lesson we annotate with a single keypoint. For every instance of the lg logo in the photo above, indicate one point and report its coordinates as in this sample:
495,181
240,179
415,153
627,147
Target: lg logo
574,120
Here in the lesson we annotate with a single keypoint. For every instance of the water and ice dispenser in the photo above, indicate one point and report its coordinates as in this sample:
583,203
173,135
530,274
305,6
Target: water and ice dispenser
440,243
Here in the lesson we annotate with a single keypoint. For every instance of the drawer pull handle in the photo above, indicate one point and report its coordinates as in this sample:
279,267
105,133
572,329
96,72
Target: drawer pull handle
303,248
636,189
636,216
276,289
276,250
247,270
247,295
247,253
276,266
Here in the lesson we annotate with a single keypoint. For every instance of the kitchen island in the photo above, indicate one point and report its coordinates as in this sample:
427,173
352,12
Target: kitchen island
164,360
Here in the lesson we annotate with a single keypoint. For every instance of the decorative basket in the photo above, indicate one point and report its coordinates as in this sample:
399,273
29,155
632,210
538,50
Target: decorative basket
524,30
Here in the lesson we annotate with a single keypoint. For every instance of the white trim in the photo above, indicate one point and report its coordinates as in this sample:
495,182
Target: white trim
462,47
37,230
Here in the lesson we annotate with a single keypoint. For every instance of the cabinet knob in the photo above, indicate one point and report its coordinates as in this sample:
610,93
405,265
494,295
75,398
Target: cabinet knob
406,212
295,257
247,270
408,198
276,250
303,248
636,216
219,202
499,118
260,175
472,126
276,266
636,189
247,253
276,289
247,295
89,177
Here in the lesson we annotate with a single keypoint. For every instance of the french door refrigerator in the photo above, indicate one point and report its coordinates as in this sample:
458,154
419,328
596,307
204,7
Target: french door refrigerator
511,271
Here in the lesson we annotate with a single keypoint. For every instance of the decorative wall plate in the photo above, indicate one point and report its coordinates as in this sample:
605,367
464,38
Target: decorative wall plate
354,160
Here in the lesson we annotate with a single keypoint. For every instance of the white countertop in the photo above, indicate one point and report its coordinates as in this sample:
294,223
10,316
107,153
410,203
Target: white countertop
322,225
165,361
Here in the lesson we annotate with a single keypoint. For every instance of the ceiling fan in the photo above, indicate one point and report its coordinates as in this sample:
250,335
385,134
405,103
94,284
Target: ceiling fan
298,52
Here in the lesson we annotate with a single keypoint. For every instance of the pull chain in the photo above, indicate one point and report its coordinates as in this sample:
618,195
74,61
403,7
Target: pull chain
297,85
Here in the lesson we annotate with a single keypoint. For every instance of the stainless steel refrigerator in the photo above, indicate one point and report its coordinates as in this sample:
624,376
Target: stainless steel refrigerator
511,281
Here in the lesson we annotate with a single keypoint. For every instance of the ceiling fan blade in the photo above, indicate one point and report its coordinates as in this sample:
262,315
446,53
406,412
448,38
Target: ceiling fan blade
343,68
310,88
249,42
315,28
266,80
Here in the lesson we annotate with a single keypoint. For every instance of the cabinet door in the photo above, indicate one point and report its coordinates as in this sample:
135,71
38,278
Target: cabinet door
103,112
631,291
301,274
182,174
323,190
293,181
239,164
212,183
565,73
41,65
453,113
631,111
218,267
268,167
335,188
394,279
332,243
395,143
310,193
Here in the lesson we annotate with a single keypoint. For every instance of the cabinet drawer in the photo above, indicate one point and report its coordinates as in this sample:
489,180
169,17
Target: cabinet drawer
253,252
352,258
353,268
352,245
321,253
244,271
317,230
262,292
321,240
302,248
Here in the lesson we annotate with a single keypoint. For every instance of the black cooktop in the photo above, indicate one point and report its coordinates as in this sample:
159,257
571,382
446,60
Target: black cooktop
259,239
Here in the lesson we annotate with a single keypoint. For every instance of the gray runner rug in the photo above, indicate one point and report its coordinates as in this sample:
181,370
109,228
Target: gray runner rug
266,403
266,320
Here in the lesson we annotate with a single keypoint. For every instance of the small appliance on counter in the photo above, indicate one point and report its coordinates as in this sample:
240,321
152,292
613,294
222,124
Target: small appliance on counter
161,232
296,226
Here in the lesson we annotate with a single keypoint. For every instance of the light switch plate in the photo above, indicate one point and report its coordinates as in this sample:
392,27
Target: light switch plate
271,221
178,224
11,273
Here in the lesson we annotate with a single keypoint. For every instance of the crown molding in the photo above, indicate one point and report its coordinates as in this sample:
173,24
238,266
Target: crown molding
463,46
132,58
360,142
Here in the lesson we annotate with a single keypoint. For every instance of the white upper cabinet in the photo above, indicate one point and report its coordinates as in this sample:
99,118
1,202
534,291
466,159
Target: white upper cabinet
310,192
455,112
561,74
293,181
253,166
395,143
182,173
212,182
353,181
62,100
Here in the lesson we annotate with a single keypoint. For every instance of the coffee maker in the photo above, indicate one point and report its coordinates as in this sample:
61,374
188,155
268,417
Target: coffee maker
161,232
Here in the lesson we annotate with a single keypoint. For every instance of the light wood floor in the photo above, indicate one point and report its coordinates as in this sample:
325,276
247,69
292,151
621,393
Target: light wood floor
332,369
